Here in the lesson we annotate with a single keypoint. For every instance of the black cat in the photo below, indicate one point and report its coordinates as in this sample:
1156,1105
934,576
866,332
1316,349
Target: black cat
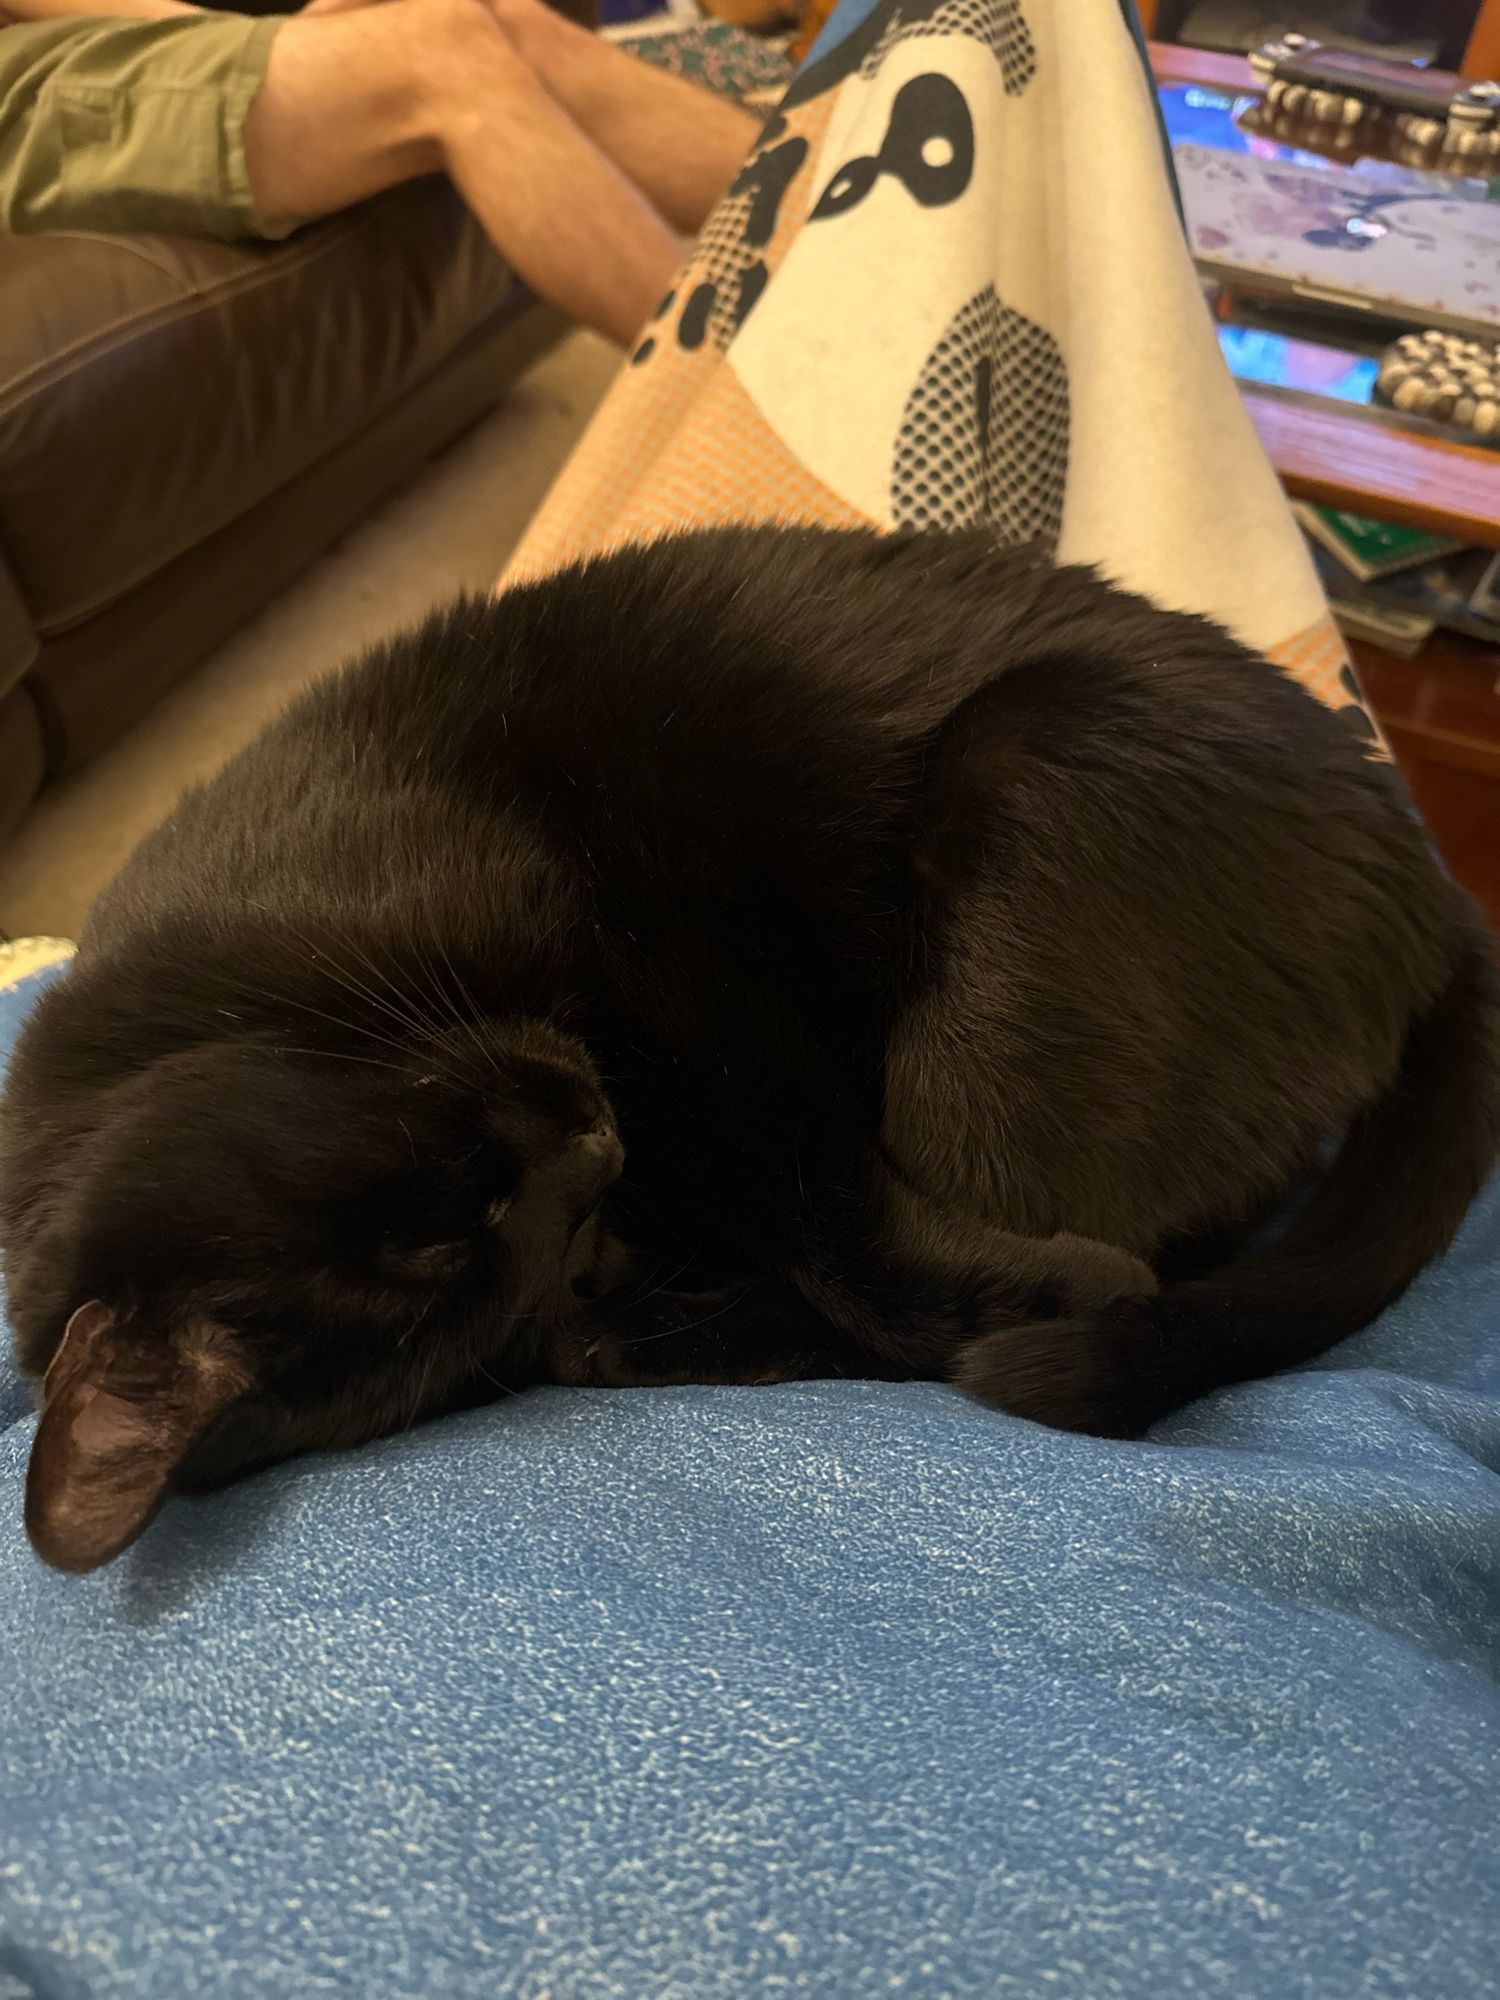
760,955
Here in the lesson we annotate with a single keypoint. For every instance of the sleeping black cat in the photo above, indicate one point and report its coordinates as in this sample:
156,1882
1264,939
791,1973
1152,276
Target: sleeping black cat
762,955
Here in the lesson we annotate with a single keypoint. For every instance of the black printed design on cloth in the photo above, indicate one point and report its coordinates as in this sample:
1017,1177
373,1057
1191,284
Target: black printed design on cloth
730,271
1356,714
928,147
999,24
984,435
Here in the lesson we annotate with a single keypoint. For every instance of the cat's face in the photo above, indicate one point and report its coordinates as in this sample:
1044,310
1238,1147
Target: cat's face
255,1249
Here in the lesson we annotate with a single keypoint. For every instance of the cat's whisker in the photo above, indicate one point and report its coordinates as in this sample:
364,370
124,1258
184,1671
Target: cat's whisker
422,1315
407,1000
493,1380
340,1055
445,961
412,1025
279,997
668,1332
346,1026
646,1297
468,1025
415,1027
421,1386
430,985
404,1016
320,955
465,1023
452,1014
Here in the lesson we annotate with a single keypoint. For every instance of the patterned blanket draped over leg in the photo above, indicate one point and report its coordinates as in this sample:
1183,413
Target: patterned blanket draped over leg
950,286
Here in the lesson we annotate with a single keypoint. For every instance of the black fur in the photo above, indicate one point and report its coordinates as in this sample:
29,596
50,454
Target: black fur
947,938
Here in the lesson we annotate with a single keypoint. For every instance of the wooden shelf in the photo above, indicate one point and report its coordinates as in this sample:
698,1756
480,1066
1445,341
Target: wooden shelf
1175,62
1338,460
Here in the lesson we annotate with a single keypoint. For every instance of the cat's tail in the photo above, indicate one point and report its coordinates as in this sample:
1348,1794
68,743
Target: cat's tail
1392,1200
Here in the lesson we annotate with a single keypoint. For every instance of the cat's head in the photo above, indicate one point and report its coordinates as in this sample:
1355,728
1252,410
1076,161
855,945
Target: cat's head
271,1242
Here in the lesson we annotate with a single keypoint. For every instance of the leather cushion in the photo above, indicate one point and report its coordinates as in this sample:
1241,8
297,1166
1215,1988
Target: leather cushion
152,388
95,679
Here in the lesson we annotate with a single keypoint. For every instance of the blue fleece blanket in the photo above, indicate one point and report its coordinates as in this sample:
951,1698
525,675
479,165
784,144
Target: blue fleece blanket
832,1690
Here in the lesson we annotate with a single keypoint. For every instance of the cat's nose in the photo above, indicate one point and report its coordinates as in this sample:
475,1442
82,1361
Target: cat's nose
590,1164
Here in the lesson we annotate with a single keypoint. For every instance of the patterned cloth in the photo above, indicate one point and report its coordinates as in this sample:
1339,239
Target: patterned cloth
724,59
950,286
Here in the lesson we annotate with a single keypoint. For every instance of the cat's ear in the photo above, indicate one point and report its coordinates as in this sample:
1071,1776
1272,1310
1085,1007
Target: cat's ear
119,1410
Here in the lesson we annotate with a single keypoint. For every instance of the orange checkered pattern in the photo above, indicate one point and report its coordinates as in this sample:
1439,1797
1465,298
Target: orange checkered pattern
1317,657
677,443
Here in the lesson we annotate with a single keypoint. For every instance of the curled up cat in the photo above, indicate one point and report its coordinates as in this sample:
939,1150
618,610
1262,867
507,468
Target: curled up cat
766,954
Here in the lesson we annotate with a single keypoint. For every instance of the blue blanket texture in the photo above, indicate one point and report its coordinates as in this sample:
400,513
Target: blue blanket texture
835,1690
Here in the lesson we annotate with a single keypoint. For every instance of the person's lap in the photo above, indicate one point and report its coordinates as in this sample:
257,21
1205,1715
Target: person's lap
579,164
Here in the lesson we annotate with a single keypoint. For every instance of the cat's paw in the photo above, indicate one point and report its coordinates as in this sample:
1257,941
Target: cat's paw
1074,1374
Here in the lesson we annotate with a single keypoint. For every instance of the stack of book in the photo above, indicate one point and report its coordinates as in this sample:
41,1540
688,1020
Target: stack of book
1396,585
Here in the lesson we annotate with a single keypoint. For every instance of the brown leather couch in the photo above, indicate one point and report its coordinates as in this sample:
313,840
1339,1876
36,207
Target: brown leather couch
184,425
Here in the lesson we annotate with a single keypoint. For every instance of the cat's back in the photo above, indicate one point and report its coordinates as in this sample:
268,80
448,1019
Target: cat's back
781,630
673,673
746,690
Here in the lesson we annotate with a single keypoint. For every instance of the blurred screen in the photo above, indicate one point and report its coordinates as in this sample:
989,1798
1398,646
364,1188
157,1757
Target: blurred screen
1256,356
